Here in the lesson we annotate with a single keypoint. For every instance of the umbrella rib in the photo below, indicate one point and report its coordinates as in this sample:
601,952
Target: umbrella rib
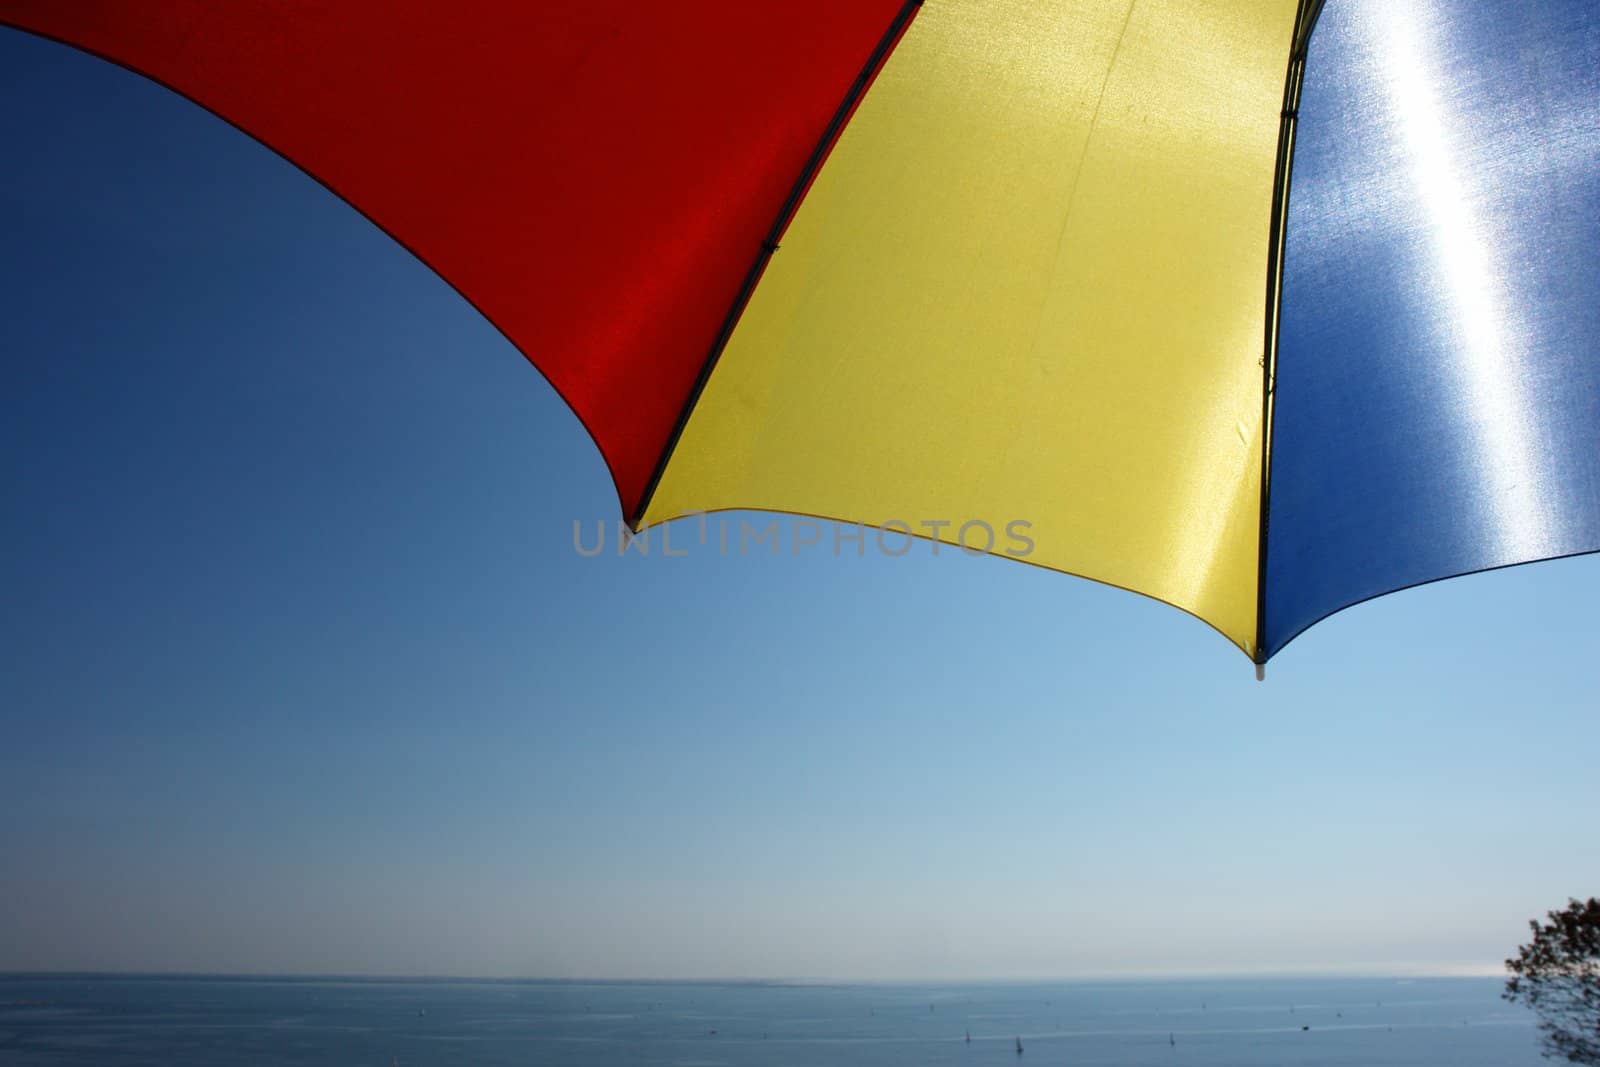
769,244
1305,21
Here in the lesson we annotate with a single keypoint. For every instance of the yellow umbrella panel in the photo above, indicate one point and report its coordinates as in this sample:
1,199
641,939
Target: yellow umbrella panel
1027,285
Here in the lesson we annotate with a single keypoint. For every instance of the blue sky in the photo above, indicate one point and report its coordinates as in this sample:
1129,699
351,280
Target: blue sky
301,672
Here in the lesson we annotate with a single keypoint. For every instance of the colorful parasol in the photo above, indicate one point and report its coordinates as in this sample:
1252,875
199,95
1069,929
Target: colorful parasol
964,264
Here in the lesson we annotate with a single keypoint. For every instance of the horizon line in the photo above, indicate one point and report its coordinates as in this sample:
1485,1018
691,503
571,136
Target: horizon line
1461,971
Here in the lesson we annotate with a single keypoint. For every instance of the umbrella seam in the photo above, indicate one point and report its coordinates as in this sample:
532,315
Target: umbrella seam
1277,242
769,244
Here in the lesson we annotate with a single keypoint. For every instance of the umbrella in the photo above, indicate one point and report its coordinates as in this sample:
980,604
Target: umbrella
1024,276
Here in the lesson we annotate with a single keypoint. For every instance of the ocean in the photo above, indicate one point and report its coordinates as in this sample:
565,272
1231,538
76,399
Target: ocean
174,1022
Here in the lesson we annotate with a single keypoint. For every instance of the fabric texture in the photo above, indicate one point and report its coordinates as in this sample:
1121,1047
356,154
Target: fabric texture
1438,376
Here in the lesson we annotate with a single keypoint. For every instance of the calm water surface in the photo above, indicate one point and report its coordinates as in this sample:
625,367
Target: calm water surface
119,1022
